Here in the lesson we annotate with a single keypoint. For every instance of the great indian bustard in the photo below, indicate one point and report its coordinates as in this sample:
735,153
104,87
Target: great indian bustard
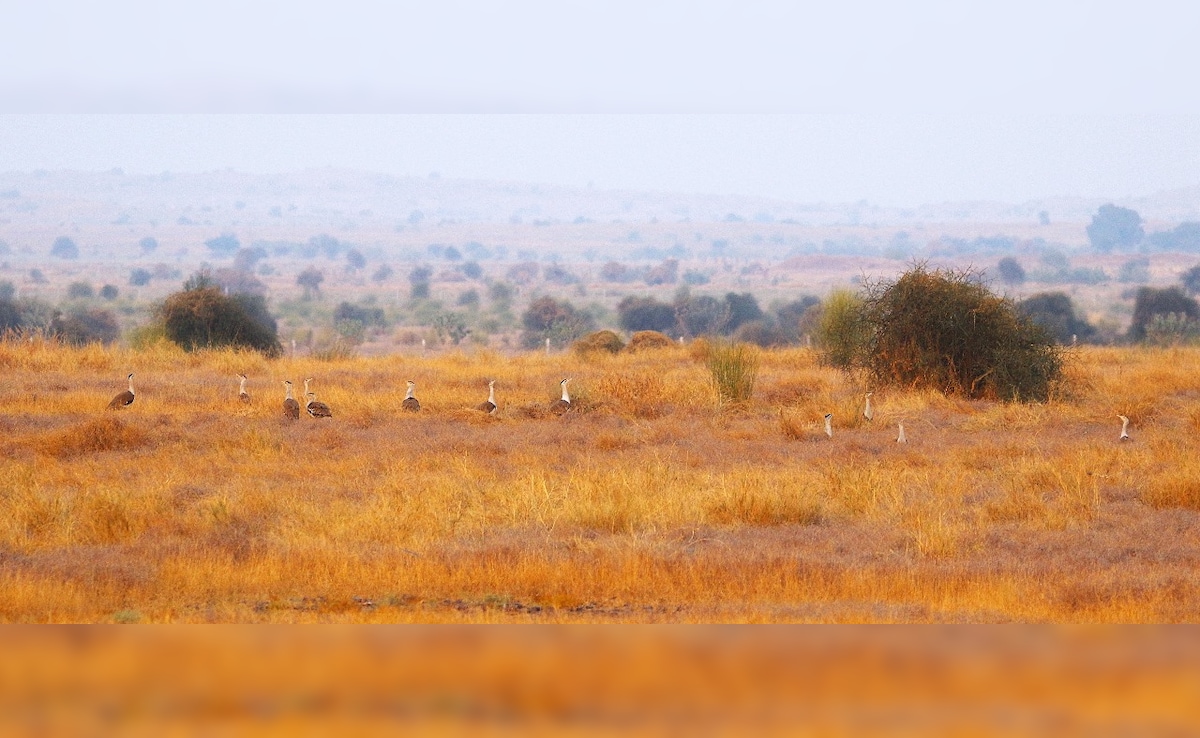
562,404
489,406
125,399
411,403
243,395
291,408
829,424
1124,428
901,438
868,411
317,409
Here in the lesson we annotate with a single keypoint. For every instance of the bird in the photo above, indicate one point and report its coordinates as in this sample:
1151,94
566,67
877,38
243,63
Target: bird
901,438
1124,427
563,404
243,395
317,409
489,406
291,408
411,403
868,411
125,399
829,424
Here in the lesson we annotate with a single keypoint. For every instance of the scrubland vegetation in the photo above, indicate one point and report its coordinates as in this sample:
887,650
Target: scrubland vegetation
654,500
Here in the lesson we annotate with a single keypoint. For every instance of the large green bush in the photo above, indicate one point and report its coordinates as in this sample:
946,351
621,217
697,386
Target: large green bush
945,330
203,316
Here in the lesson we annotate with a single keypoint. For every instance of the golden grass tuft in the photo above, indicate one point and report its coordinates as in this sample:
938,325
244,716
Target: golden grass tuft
98,435
1174,490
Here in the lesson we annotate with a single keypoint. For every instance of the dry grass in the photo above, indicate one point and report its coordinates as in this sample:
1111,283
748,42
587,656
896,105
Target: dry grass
645,503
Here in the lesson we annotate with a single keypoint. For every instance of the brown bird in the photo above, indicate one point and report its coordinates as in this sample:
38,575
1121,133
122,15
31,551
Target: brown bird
243,395
563,404
317,409
411,404
291,408
489,407
125,399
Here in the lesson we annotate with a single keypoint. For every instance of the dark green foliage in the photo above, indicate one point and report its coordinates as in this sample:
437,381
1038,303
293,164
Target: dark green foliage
615,271
598,342
383,273
451,326
81,327
557,320
472,270
701,315
419,291
1153,302
790,317
734,369
1114,227
148,244
109,292
1054,312
355,259
36,276
743,308
225,244
1191,280
327,243
371,317
8,290
468,299
64,248
1183,237
944,330
645,314
1010,271
10,315
139,277
558,274
695,278
202,316
245,259
310,279
665,273
80,291
764,333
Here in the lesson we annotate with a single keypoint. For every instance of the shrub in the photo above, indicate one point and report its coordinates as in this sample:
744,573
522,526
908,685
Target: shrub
109,292
1011,271
733,367
1151,302
549,318
946,331
80,291
106,433
645,314
649,340
64,248
702,315
202,316
81,327
841,328
1054,312
599,342
139,277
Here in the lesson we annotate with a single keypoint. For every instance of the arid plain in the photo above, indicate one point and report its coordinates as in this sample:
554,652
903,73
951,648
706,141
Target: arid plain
648,502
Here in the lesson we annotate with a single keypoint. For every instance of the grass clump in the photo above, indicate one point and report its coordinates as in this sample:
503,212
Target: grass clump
649,340
599,342
734,368
98,435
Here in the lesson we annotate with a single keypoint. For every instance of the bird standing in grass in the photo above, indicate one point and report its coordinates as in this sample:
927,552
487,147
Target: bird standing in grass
562,404
901,438
489,406
868,411
243,395
829,424
291,408
125,399
317,409
1124,428
411,403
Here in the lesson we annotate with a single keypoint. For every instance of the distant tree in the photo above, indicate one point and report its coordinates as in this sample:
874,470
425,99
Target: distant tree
1044,217
1055,312
452,254
645,314
245,259
148,244
310,279
789,316
8,290
523,273
139,277
665,273
1115,227
468,299
224,245
1191,280
383,273
64,248
1010,271
1183,237
615,271
702,315
328,244
418,280
368,315
80,291
237,281
743,308
501,295
695,278
557,320
472,270
5,249
81,327
202,316
355,259
558,274
10,315
36,276
1152,302
450,326
109,292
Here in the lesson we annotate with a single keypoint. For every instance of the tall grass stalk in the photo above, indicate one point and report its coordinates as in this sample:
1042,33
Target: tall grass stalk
734,368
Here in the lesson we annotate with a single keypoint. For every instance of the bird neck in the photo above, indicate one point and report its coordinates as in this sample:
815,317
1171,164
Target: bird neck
242,384
288,387
412,387
491,394
131,385
566,397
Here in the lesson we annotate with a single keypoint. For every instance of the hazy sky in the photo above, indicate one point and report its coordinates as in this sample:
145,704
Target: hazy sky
896,103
